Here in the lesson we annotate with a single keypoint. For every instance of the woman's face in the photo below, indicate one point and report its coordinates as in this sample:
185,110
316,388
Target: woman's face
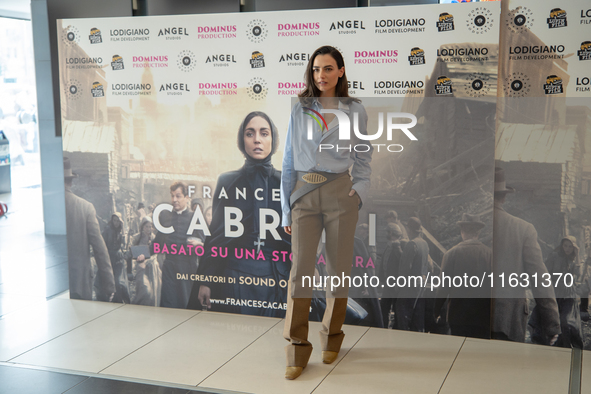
147,229
567,247
258,140
326,74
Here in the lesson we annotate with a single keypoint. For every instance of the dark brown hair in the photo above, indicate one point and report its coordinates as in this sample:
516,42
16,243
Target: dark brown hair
311,90
180,184
241,129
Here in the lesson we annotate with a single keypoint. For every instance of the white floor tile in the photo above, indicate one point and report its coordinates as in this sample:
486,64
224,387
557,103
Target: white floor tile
494,367
194,350
11,303
32,326
261,367
392,361
104,341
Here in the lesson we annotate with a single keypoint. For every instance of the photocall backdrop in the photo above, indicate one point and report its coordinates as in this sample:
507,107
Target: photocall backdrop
149,101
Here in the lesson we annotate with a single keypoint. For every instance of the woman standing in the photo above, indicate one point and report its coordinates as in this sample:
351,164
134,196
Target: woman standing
323,197
251,193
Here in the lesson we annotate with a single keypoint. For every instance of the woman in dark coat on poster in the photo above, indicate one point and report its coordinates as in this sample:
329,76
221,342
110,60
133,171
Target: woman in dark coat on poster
563,260
113,236
259,282
148,275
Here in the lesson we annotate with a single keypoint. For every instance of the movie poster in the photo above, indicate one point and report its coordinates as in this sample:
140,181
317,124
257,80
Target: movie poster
543,143
155,114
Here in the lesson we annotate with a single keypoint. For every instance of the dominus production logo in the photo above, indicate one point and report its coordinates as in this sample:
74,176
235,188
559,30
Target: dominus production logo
71,36
117,63
186,61
290,88
477,85
557,18
519,20
97,90
95,36
445,22
257,60
585,52
257,88
73,89
480,20
553,85
443,86
517,85
257,31
416,57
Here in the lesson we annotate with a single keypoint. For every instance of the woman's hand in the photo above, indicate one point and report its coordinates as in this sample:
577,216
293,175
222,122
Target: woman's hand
287,229
140,258
353,192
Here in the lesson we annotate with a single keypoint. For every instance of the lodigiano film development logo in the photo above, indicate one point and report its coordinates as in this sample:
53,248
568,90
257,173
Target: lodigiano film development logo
519,20
316,118
257,60
443,86
416,57
71,36
557,18
477,85
553,85
583,84
445,22
97,90
95,36
400,25
257,88
517,85
480,20
73,89
117,63
131,89
257,31
186,61
585,52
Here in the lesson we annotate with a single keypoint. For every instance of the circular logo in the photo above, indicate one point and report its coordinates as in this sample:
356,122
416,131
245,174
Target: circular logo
477,85
71,36
479,20
73,89
256,31
517,85
186,61
519,20
257,88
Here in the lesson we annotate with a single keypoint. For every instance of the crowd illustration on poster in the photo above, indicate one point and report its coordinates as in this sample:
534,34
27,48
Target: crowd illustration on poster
155,119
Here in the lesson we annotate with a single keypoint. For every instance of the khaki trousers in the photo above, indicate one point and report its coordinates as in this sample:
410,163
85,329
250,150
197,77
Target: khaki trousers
328,207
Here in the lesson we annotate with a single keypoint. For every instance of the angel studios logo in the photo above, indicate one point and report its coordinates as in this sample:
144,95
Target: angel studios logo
117,63
97,90
257,88
73,89
257,60
519,20
186,61
71,36
517,85
445,22
477,85
416,57
557,18
585,52
480,20
553,85
95,36
256,31
443,86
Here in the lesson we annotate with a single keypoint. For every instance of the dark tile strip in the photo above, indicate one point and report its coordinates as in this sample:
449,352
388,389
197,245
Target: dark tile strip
576,370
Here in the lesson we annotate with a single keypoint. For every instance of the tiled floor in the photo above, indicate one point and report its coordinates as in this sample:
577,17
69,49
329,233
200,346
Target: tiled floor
51,344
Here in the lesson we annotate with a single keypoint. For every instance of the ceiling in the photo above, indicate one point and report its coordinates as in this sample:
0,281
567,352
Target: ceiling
15,9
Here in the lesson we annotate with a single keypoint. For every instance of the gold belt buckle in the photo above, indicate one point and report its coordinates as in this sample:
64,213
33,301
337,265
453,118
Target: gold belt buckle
314,178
